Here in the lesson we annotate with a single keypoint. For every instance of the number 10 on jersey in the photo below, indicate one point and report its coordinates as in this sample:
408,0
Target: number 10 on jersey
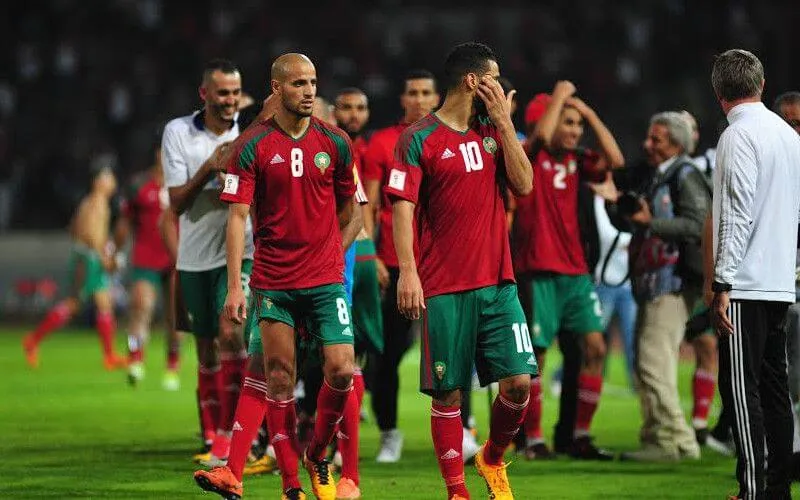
472,156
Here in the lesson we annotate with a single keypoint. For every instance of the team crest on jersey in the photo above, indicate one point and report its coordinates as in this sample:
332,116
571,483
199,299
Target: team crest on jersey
439,368
490,145
322,160
268,303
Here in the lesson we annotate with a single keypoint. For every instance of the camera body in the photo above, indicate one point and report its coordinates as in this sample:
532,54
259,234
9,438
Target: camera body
629,203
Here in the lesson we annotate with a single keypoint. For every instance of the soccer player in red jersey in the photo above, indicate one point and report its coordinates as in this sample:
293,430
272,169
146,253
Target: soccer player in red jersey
297,173
450,171
144,205
419,98
556,288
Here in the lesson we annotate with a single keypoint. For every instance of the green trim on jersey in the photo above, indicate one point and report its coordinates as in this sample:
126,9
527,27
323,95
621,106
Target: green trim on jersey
248,153
342,148
413,152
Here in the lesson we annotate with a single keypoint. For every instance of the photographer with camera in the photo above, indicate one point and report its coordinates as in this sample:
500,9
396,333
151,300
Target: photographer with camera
666,270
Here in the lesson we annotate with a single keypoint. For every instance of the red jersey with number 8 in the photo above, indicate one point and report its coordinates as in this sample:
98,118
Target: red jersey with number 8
294,185
456,180
546,236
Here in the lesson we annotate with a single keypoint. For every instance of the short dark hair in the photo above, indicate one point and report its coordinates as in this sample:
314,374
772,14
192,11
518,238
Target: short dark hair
350,91
222,65
788,98
737,74
470,57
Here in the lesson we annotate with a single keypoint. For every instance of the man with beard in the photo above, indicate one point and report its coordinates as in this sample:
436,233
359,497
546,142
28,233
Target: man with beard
192,149
297,173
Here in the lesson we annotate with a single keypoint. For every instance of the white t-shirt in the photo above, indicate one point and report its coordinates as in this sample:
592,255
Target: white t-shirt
185,146
617,268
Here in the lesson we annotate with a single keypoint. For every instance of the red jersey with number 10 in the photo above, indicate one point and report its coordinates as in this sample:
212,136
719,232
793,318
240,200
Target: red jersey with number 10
546,236
294,185
145,202
456,180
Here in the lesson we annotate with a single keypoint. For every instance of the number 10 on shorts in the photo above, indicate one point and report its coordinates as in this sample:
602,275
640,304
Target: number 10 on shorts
523,337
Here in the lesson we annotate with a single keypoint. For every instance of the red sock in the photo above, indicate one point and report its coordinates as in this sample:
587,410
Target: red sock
229,383
173,359
703,391
589,389
447,433
135,348
533,417
55,319
282,421
249,414
208,394
506,419
104,322
330,406
348,429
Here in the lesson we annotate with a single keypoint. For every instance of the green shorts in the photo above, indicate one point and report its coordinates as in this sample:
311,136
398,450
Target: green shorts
204,294
86,272
555,302
323,310
699,322
367,311
155,277
485,328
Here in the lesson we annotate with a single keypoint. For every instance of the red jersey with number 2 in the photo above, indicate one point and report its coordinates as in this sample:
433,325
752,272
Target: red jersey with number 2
294,185
456,180
546,236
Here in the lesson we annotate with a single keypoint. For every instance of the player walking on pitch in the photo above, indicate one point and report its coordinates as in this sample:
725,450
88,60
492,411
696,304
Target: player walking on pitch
298,173
90,263
452,167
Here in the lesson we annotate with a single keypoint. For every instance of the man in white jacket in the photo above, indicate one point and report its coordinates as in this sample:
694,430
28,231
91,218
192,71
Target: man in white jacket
755,218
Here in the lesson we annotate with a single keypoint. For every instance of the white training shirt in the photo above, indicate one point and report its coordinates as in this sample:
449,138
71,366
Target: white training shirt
616,271
756,205
185,146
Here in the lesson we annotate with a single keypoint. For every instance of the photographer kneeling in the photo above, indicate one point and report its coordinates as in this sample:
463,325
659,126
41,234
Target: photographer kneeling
666,271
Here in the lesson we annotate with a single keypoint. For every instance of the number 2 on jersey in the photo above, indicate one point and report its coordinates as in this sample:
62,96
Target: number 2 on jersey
297,162
472,156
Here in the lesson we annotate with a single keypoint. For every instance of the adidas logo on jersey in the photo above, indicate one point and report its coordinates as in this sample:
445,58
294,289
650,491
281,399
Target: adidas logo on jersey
276,159
277,438
347,332
447,154
450,454
237,426
532,360
341,435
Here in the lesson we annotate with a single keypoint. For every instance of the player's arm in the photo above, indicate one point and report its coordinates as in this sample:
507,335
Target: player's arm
546,127
168,228
235,303
608,145
518,167
183,190
410,297
405,179
351,230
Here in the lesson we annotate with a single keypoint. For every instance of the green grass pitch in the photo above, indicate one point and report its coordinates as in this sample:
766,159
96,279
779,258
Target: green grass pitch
72,430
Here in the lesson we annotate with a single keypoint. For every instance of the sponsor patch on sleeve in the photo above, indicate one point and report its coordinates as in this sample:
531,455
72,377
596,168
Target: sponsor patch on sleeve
231,184
397,179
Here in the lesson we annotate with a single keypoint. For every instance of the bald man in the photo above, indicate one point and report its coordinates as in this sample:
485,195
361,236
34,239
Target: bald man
297,172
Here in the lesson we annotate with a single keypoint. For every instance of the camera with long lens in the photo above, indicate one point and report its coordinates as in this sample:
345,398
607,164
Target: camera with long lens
629,203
